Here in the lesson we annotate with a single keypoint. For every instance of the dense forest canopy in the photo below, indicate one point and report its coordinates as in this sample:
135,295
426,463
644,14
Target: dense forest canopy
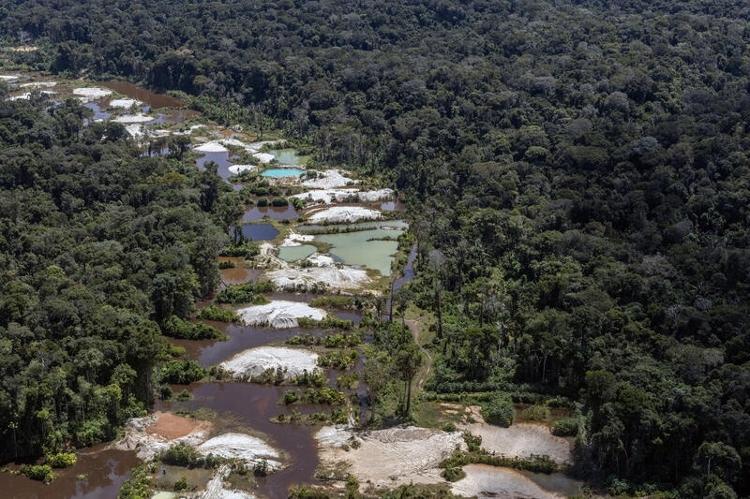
580,171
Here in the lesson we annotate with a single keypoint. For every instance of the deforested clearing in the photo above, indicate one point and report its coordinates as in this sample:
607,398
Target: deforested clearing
256,361
523,440
237,169
390,457
38,84
279,314
328,179
329,196
153,434
484,481
343,278
241,446
344,214
263,157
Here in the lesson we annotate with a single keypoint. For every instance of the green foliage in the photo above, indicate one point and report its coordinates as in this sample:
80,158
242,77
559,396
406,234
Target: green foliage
565,427
216,313
329,322
336,340
40,472
179,328
181,454
138,486
248,293
536,412
338,359
61,459
245,249
498,410
181,372
453,474
533,463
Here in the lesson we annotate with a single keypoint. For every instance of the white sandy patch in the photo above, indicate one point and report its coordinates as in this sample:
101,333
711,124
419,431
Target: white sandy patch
124,103
211,147
263,157
149,444
294,239
329,179
329,196
319,260
216,489
484,481
344,214
241,446
135,130
523,440
9,77
257,146
133,118
295,279
233,142
23,96
256,361
237,169
38,84
266,249
92,93
386,458
280,314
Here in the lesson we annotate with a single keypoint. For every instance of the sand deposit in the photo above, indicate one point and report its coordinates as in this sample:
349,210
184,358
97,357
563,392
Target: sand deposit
133,118
241,446
485,481
211,147
337,278
523,440
294,239
328,179
329,196
124,103
280,314
256,361
38,84
344,214
92,93
237,169
263,157
153,434
390,457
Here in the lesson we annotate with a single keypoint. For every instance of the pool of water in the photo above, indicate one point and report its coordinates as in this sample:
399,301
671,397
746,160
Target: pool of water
257,232
359,248
273,212
99,113
220,158
288,157
282,172
294,253
142,94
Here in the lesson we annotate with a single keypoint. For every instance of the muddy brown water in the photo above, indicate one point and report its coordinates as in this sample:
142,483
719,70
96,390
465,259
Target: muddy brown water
105,471
144,95
272,212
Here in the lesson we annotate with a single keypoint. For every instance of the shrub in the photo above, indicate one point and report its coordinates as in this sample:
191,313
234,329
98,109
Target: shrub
62,459
226,264
41,472
246,249
278,202
245,293
498,410
473,442
536,412
181,372
179,328
180,454
216,313
453,474
262,203
566,427
181,484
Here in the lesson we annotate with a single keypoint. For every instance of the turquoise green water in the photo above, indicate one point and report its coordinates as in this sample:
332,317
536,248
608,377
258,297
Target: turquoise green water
282,172
288,157
355,248
294,253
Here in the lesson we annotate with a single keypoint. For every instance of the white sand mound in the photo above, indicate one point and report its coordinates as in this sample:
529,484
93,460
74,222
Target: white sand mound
484,481
153,434
523,440
92,93
280,314
390,457
328,196
215,488
9,77
124,103
237,169
23,96
211,147
133,118
257,146
328,179
318,260
38,84
294,279
294,239
241,446
344,214
256,361
263,157
233,142
135,130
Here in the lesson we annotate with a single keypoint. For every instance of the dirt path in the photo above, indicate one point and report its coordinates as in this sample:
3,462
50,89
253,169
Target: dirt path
415,326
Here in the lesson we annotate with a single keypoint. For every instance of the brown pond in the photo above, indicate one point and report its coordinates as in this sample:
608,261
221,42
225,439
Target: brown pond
105,471
148,97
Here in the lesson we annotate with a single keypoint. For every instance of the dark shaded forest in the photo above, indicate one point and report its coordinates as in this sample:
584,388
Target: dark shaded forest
578,171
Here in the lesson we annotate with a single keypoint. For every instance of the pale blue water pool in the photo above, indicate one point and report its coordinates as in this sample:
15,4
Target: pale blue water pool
282,172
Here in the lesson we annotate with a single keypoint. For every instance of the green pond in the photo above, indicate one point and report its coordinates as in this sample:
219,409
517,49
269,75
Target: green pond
294,253
288,157
356,248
